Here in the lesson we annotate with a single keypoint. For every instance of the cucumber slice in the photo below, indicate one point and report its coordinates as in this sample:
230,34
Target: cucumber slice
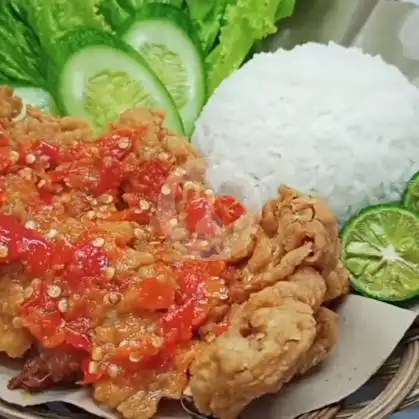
100,77
381,251
411,194
166,38
38,98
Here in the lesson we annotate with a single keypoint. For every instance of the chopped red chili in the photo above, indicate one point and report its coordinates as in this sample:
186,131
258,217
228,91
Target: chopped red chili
79,279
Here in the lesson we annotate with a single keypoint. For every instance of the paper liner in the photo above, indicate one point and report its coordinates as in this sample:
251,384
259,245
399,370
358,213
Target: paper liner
369,330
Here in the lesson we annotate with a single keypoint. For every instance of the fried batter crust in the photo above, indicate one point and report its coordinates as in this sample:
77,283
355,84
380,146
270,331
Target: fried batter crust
294,266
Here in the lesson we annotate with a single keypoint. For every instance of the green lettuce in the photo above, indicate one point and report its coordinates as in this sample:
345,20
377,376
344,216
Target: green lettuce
246,22
51,19
21,55
285,9
113,12
208,16
133,5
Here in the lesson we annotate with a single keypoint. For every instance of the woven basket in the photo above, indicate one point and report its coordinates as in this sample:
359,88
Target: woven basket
400,374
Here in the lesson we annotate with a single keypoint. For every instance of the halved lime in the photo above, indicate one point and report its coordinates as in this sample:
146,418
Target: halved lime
411,193
381,251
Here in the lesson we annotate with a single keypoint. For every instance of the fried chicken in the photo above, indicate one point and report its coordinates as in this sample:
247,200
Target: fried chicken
15,340
294,266
44,368
143,281
327,335
262,349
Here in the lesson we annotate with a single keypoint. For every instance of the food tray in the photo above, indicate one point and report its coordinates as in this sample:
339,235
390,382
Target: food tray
399,377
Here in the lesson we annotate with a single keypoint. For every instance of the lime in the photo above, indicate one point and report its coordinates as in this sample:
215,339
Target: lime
381,252
411,194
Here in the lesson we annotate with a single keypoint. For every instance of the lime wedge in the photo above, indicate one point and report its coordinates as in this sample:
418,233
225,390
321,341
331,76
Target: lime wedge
411,194
381,252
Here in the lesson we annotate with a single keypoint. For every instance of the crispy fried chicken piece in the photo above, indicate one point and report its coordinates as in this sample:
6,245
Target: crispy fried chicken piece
47,368
326,338
136,401
337,282
38,125
293,266
297,231
15,340
263,347
10,105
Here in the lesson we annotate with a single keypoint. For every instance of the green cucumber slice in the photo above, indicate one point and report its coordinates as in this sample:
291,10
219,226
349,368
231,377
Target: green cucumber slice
381,251
38,98
166,38
411,194
100,77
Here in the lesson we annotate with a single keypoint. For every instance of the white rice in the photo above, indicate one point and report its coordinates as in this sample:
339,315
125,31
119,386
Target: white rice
326,120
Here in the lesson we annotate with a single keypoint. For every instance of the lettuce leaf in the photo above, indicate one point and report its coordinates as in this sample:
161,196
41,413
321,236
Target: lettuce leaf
285,9
21,55
246,22
51,19
115,15
208,17
133,5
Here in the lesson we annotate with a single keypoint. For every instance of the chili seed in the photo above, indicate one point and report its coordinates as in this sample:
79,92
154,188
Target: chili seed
4,251
17,323
31,225
93,367
110,272
144,205
91,215
179,171
42,183
173,222
124,143
135,359
165,190
63,305
98,242
52,233
54,291
106,199
124,343
30,158
113,370
14,156
158,342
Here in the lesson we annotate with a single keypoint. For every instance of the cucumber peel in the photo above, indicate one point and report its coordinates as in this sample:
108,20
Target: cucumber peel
167,39
381,252
99,77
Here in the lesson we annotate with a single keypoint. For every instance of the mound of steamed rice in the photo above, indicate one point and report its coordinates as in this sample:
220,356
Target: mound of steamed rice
324,119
